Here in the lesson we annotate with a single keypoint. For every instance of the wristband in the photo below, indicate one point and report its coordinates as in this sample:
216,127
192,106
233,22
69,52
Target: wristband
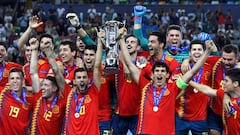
78,27
181,84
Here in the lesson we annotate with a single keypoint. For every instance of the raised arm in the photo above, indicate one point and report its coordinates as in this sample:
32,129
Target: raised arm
135,73
204,88
54,66
33,23
139,11
34,65
98,61
74,20
188,75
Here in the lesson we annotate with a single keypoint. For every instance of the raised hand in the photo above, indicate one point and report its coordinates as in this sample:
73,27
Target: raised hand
139,10
210,46
73,18
34,22
34,43
122,32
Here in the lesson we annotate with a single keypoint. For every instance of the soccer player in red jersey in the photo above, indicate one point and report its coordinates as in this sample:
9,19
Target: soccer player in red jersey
231,86
82,102
156,47
191,107
5,66
15,105
87,54
128,96
158,96
227,61
67,53
49,103
25,49
105,110
45,39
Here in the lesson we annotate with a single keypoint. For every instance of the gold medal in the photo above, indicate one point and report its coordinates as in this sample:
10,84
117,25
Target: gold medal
76,115
195,90
155,108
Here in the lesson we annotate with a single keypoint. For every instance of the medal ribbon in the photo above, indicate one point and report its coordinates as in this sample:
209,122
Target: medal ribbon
195,79
174,48
162,59
156,100
16,97
234,108
2,70
54,102
78,105
66,69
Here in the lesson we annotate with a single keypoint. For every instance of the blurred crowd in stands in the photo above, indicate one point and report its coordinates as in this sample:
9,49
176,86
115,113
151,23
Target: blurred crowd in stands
144,1
13,22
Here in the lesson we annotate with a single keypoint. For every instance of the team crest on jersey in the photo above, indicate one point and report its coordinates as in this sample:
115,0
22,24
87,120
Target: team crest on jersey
87,99
25,106
207,76
167,92
103,80
141,62
55,109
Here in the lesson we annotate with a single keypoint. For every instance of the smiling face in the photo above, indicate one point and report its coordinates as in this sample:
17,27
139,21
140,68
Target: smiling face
66,54
154,46
229,59
81,81
132,45
196,52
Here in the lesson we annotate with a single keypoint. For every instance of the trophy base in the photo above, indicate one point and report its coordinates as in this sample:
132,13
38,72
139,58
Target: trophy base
111,70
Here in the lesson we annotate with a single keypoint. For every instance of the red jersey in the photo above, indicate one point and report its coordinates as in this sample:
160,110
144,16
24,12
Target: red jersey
69,73
174,66
143,53
128,95
218,75
193,104
44,67
26,71
48,115
14,115
162,121
27,75
104,109
85,122
231,122
4,72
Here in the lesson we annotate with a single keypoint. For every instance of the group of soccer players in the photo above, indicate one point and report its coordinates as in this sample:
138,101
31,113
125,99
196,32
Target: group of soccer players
161,87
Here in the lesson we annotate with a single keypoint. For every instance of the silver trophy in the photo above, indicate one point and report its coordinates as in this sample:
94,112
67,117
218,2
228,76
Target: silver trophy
112,46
